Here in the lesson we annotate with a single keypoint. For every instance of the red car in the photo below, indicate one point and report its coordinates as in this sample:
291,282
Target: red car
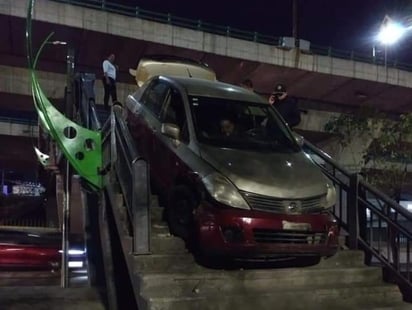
233,174
21,249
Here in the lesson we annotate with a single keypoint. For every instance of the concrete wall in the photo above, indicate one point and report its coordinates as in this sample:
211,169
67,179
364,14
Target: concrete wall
136,28
21,130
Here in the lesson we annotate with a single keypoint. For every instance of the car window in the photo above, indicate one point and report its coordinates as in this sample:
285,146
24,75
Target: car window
238,124
154,96
173,112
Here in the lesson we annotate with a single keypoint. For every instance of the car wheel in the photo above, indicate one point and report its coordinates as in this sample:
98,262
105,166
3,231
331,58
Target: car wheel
179,212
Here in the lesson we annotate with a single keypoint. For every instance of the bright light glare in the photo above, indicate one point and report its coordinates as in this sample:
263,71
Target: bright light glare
59,43
76,264
74,252
391,33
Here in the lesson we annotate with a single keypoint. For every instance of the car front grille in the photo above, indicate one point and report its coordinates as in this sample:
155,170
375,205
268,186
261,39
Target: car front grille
291,237
280,205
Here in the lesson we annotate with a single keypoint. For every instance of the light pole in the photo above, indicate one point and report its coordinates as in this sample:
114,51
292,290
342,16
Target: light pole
390,32
64,280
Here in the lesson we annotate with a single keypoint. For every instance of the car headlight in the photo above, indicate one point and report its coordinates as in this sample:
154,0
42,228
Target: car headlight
329,200
221,189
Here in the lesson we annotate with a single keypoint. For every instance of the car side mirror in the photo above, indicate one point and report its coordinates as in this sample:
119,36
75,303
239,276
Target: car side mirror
170,130
299,139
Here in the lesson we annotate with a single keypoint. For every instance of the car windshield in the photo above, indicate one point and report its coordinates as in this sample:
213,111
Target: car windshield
240,124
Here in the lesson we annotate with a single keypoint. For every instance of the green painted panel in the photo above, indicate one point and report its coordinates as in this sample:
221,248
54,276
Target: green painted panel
81,146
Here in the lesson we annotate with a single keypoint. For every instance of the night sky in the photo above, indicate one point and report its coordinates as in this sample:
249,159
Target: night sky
348,24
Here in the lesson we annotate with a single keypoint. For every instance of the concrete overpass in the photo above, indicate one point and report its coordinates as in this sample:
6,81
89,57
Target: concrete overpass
94,33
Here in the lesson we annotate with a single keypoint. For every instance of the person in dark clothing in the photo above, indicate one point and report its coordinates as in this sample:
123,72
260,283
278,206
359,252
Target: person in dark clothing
285,105
247,84
109,80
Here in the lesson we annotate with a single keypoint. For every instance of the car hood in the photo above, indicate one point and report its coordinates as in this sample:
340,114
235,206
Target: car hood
282,175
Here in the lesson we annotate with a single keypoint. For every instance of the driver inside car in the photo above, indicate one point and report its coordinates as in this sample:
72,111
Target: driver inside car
227,127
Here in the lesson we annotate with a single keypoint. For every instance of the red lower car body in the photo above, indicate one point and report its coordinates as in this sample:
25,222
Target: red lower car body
29,256
248,234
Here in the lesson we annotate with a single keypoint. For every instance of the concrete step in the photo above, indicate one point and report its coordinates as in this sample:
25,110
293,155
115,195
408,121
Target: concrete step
395,306
343,258
326,298
159,228
154,201
167,244
50,297
156,213
164,263
210,282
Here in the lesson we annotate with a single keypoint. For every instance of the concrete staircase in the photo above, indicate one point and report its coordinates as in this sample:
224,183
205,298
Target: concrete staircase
171,279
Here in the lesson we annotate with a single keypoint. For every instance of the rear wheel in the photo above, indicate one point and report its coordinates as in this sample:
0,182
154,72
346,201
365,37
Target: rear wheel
179,212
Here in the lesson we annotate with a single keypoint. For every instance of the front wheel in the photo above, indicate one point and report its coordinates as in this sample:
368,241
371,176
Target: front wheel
179,212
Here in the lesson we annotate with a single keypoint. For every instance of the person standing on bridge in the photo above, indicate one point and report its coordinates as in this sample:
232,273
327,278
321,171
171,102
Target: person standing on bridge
285,105
109,80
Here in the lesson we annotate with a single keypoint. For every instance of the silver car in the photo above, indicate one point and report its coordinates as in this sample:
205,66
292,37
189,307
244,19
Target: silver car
231,173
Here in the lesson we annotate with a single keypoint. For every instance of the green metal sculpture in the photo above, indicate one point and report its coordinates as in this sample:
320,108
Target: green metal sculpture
81,146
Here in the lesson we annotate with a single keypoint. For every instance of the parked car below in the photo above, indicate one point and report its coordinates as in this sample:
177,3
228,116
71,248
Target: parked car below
25,249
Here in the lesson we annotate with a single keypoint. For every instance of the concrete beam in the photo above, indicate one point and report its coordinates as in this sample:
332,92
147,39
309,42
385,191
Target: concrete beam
133,27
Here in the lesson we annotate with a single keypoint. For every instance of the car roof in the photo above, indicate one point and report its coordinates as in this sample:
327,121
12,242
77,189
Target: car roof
207,88
170,66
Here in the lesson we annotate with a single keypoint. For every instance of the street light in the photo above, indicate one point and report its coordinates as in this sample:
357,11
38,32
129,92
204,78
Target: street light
64,281
390,32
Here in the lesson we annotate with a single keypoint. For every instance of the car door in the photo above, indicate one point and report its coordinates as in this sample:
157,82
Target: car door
145,123
167,151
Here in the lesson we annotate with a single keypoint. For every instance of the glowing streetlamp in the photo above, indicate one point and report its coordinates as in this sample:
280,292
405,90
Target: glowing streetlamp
390,32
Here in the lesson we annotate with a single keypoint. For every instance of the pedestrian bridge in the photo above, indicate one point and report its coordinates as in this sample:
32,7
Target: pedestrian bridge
316,74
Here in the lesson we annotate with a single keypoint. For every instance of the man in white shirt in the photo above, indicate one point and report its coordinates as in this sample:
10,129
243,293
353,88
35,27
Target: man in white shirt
109,80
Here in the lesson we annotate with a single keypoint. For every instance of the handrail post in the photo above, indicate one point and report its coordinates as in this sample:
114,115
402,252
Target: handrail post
140,202
352,209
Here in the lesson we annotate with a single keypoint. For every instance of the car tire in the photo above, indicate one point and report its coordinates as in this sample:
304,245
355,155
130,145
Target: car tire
179,212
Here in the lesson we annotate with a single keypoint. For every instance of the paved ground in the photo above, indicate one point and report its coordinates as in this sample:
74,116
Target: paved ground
40,278
38,290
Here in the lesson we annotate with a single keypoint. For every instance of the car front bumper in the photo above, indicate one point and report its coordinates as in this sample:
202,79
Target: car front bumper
248,234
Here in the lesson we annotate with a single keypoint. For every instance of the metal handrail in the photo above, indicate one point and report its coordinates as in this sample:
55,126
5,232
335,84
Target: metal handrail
374,222
200,25
86,101
121,158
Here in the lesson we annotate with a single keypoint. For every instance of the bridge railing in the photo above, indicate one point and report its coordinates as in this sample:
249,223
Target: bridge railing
373,221
134,11
85,100
121,158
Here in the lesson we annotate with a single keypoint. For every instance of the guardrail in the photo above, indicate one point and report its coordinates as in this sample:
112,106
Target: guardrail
120,157
134,11
85,100
374,222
